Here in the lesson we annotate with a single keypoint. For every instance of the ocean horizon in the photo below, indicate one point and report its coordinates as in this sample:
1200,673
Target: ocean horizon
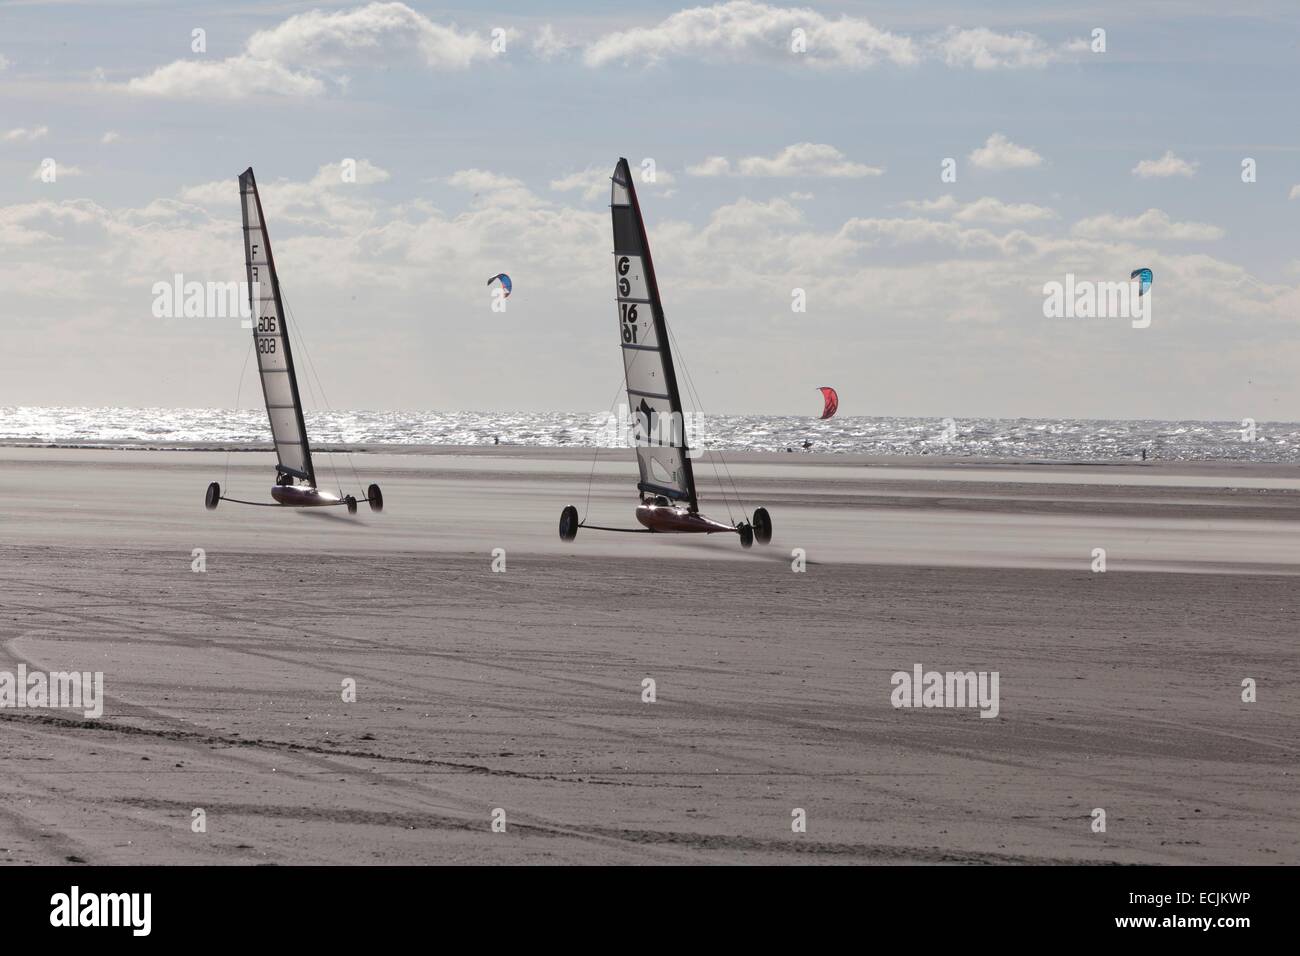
1010,438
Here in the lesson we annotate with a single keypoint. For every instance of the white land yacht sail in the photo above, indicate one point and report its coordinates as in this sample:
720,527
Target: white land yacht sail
669,502
295,477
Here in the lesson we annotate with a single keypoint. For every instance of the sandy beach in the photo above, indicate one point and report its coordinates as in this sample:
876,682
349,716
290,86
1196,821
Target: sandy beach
478,690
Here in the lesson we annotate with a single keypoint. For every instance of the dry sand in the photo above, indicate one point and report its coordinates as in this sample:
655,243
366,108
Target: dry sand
522,690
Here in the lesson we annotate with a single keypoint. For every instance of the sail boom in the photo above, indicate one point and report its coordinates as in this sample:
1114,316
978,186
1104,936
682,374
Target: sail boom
674,493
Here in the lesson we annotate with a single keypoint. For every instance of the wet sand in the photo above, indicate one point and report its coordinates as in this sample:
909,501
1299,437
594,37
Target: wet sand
522,690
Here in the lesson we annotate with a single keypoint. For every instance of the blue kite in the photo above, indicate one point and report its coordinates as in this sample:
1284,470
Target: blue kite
505,283
1144,275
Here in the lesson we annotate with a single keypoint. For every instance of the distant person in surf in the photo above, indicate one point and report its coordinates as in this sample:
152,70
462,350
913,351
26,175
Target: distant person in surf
806,444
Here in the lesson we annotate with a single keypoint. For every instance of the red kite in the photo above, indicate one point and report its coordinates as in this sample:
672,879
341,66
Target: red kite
832,401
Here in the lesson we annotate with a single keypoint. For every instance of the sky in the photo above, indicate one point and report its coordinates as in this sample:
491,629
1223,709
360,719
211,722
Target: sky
793,148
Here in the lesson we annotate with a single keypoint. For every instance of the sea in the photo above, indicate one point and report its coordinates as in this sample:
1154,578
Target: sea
1009,438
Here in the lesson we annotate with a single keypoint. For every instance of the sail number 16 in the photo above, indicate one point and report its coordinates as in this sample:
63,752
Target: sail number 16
626,310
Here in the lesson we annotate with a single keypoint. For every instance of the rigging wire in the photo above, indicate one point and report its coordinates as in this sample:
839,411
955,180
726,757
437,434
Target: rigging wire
714,458
690,385
320,387
316,403
238,394
586,508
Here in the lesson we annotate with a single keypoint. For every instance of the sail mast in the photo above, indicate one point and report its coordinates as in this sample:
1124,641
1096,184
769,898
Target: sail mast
271,340
647,355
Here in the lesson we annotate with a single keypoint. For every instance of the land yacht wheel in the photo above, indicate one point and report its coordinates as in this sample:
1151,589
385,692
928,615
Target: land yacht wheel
213,497
569,523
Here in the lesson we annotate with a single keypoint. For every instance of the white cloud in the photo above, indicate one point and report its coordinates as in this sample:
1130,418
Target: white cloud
800,159
480,180
61,171
365,172
215,194
742,30
912,278
1295,192
1167,165
349,37
4,62
807,159
749,31
295,57
1152,224
41,222
303,55
982,49
232,78
999,153
943,204
549,44
904,232
713,166
325,202
21,135
998,212
493,189
593,183
112,136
